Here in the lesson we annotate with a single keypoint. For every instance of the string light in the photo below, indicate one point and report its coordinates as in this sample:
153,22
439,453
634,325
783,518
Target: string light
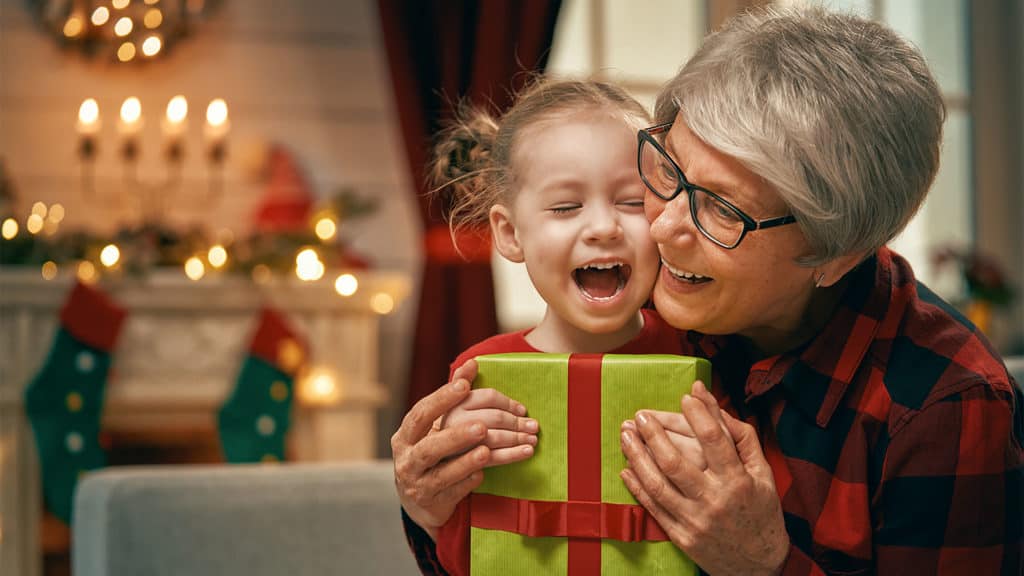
100,16
124,26
120,4
382,303
34,224
151,45
56,213
217,256
153,18
261,274
110,255
73,27
126,52
86,272
320,386
346,284
49,270
194,268
326,228
39,209
9,229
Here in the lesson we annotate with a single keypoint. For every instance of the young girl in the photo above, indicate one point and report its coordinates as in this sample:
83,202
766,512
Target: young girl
556,179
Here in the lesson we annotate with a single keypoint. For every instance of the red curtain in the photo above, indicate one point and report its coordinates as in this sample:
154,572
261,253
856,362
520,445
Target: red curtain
441,51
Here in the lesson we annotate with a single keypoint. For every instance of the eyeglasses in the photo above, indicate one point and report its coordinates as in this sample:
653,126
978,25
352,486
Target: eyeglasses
716,218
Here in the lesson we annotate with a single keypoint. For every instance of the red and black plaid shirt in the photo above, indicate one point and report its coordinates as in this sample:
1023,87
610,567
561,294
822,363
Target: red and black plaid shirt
895,436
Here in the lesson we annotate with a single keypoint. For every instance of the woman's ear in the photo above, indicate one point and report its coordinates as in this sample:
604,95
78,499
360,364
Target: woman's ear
503,230
830,272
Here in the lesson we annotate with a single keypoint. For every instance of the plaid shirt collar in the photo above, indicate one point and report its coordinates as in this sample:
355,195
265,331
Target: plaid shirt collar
815,376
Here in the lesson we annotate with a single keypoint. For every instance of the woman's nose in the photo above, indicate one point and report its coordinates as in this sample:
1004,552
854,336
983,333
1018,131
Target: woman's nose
670,221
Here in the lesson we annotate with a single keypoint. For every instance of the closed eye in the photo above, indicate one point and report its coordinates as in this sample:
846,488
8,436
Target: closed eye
565,208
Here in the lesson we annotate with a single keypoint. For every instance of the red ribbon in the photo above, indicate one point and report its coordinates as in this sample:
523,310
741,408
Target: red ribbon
572,519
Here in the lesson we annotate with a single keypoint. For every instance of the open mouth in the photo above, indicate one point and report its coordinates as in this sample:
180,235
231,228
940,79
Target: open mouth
686,276
602,282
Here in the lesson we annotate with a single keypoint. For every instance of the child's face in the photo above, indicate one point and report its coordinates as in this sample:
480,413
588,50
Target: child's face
578,220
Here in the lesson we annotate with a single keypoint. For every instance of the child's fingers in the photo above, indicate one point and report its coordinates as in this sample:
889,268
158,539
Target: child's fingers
509,455
494,420
507,439
491,398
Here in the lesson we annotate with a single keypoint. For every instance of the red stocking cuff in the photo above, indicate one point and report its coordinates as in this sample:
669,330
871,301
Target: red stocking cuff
91,317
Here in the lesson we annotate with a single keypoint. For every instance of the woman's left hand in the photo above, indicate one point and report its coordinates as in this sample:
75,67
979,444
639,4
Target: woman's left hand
726,517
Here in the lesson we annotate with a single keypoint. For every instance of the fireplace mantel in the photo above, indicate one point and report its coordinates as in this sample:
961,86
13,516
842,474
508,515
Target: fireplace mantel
177,358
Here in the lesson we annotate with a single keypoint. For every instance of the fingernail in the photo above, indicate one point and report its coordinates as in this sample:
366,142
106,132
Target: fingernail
629,425
460,385
531,440
520,409
531,426
477,429
527,450
627,439
481,455
642,418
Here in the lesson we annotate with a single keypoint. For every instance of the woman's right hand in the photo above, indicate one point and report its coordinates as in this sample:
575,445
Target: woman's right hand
435,466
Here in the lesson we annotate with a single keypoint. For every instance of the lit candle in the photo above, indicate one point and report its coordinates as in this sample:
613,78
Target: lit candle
129,127
131,116
217,123
88,117
174,124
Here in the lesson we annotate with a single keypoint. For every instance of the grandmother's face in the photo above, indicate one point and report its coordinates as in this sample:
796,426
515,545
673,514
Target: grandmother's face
756,289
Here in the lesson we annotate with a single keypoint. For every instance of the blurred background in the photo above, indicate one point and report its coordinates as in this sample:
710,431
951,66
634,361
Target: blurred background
236,188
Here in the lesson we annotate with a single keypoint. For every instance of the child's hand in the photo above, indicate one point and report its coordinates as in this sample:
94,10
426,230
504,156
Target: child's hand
511,436
679,433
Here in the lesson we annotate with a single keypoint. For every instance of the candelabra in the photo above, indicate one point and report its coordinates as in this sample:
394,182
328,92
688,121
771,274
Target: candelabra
174,126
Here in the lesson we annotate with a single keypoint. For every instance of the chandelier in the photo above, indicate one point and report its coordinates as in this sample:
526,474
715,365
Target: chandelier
124,31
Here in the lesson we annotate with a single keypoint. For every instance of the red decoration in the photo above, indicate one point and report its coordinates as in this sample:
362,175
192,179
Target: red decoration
288,201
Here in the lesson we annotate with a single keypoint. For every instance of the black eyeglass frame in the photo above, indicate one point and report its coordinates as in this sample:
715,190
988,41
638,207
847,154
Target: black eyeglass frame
749,224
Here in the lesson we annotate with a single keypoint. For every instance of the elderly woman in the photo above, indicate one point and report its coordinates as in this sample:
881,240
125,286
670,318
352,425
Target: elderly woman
856,423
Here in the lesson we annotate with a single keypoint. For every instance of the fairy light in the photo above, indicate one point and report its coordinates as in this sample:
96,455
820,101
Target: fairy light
39,209
346,285
49,270
320,386
308,266
382,303
34,224
9,229
100,16
56,213
120,4
73,27
194,268
126,52
86,272
261,274
326,228
124,26
153,18
151,45
217,256
110,255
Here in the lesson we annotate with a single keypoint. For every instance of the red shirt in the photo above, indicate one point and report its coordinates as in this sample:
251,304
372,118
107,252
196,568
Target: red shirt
895,435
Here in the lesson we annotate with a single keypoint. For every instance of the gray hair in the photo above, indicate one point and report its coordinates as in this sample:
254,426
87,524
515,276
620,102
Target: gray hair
838,113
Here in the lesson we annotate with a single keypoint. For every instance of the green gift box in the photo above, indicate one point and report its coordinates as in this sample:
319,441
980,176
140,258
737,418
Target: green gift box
565,510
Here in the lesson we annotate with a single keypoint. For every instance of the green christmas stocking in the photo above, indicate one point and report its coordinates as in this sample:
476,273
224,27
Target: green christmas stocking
254,419
65,399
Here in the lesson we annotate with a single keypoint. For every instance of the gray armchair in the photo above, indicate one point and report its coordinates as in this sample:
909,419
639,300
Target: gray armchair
338,518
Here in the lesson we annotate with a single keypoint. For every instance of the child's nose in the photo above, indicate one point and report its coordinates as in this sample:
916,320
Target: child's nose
603,225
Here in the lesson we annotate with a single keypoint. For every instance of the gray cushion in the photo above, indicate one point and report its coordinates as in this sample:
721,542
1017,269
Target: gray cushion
340,518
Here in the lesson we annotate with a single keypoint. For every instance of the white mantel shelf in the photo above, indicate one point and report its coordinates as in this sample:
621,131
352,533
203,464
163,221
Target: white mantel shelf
177,358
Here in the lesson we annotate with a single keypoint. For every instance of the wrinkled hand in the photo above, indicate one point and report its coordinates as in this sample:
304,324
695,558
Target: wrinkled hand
726,517
436,468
